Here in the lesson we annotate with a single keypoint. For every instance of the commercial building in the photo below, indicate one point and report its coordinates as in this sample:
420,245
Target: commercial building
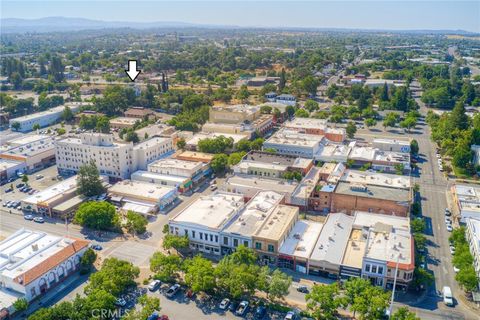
118,160
142,197
249,186
295,251
194,156
35,152
182,184
372,192
270,237
195,171
10,168
204,219
375,83
467,201
316,126
250,219
293,143
139,113
33,263
262,125
380,160
286,99
302,194
330,152
123,122
234,114
44,118
472,233
272,165
392,145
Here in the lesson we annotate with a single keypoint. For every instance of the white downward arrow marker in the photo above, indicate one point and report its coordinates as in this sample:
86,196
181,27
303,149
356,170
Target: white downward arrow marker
132,71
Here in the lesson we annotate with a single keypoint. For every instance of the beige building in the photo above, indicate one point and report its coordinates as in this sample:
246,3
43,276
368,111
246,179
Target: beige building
123,122
234,113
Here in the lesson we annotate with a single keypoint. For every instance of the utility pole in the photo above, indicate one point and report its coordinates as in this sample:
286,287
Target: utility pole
393,291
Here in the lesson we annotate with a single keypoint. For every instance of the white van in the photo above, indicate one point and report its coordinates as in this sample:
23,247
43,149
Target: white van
447,296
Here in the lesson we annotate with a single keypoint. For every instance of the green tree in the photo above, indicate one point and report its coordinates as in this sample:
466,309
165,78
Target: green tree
20,305
175,242
147,306
403,313
36,127
370,122
243,93
390,120
87,260
278,285
88,180
418,225
67,114
458,118
181,144
219,163
102,124
16,126
243,145
323,301
136,223
311,105
200,274
351,129
310,85
265,109
384,93
301,113
132,136
354,287
408,123
25,179
97,215
166,267
283,80
293,175
467,278
114,277
414,147
421,278
290,111
371,303
235,158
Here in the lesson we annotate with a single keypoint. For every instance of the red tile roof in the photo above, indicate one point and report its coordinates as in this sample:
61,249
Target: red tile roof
52,261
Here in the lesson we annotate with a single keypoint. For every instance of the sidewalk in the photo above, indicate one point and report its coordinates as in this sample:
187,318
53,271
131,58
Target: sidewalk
54,295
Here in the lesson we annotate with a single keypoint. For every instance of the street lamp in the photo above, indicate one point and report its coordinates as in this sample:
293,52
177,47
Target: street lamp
390,309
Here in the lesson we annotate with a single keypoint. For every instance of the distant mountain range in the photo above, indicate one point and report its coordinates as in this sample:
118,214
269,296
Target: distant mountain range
52,24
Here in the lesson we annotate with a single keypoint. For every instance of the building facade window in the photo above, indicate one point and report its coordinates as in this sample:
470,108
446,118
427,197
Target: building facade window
258,246
271,248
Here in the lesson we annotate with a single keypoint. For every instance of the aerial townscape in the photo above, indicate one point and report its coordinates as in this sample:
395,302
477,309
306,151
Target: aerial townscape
234,166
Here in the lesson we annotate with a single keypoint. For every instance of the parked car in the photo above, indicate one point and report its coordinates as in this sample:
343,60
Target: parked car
448,220
39,176
120,302
449,228
173,290
242,308
96,247
6,203
213,187
303,289
20,185
154,285
290,316
260,312
452,249
8,190
38,220
28,217
32,191
448,213
224,304
447,296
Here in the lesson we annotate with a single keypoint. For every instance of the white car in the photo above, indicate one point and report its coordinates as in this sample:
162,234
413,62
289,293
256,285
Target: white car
455,269
173,290
449,228
290,315
154,285
452,250
224,304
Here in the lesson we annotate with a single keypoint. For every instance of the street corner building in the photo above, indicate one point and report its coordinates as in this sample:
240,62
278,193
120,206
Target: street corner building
33,263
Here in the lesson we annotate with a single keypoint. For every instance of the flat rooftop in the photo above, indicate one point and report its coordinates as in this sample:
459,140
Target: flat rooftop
288,137
277,159
255,212
200,156
468,197
376,178
333,239
385,243
139,189
392,156
306,123
373,191
261,165
256,182
392,141
27,139
301,240
7,164
277,222
367,219
33,148
25,251
355,250
363,153
308,183
169,163
241,108
331,150
212,211
125,120
67,185
151,142
158,176
37,115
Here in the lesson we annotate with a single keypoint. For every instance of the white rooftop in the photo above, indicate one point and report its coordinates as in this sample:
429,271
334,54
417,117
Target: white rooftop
212,211
139,189
158,176
375,178
255,212
392,141
33,148
367,219
67,185
302,238
333,239
170,163
468,197
289,137
259,183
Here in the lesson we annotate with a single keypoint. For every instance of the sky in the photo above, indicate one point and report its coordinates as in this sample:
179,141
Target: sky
379,14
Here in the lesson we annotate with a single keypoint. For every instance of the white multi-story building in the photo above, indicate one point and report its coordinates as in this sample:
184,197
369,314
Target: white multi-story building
115,159
473,238
33,262
203,220
293,143
44,118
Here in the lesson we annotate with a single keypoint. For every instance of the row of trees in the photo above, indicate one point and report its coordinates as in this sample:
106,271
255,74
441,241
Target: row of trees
463,260
357,295
237,275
